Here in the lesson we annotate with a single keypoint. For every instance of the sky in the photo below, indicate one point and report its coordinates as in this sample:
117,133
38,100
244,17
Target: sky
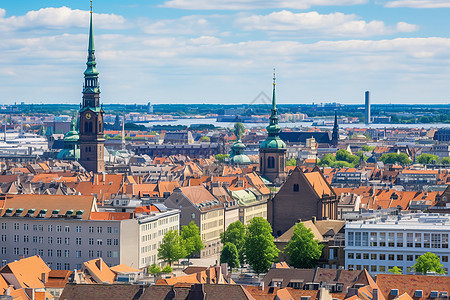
224,51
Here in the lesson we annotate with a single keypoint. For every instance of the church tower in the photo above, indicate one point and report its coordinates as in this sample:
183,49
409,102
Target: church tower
335,134
272,152
91,115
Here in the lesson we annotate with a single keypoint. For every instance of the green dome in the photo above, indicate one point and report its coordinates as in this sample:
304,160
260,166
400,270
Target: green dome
238,145
68,154
71,136
241,159
273,143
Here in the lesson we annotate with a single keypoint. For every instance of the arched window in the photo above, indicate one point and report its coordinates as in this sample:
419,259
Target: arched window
90,126
271,162
86,127
296,187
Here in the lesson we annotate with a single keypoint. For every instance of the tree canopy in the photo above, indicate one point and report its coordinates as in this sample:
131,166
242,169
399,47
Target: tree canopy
427,159
235,234
304,251
428,262
154,269
260,250
190,235
291,162
171,248
445,161
230,255
221,157
239,130
343,158
392,158
395,270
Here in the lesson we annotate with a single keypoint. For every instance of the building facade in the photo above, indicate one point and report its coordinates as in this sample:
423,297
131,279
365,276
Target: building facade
386,241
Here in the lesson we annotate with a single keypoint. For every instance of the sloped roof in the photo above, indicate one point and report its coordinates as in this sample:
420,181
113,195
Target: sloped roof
110,216
27,271
63,203
197,194
99,271
286,237
122,268
318,183
100,291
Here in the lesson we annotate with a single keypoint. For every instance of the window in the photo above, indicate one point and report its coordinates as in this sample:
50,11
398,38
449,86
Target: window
35,239
373,239
418,240
357,238
99,242
365,255
67,241
35,228
3,226
99,253
445,240
58,266
365,239
373,256
445,258
391,239
109,242
296,187
50,252
435,240
115,254
391,256
58,253
66,229
78,253
358,255
91,241
91,229
399,256
382,239
99,229
26,251
109,229
16,251
400,240
91,253
3,250
409,240
41,240
41,252
382,269
59,240
16,226
351,267
58,228
382,256
373,268
26,238
78,241
41,227
16,238
351,238
50,240
26,227
78,228
4,238
426,240
66,253
409,257
108,253
116,230
66,266
50,228
116,242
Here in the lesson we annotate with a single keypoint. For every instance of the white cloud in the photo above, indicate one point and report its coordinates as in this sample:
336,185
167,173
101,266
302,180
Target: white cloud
255,4
58,18
419,3
188,25
338,24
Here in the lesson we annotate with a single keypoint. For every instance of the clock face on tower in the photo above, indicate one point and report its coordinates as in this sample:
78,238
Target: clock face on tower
88,116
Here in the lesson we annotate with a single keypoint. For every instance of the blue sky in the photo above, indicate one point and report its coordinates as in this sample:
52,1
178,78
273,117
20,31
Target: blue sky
223,51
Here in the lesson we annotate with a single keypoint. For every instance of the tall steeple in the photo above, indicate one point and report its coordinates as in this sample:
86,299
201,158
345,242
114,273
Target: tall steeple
91,85
335,134
273,130
91,114
272,152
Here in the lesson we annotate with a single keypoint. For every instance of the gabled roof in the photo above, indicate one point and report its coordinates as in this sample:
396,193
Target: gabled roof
100,291
27,272
99,271
319,184
124,269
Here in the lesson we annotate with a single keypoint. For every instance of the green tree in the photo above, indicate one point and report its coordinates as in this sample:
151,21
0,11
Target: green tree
205,139
341,164
260,250
368,148
428,262
392,158
235,234
154,270
395,270
291,162
167,269
304,251
327,160
230,255
344,155
239,130
445,161
192,241
221,157
426,159
171,248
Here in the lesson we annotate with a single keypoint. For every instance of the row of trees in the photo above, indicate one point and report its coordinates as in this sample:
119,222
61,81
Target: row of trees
254,244
343,158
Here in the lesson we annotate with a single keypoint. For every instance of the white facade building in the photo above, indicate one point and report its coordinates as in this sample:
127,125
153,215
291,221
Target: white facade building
383,242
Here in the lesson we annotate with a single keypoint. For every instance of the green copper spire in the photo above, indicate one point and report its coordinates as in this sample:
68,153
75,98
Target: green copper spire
273,140
91,70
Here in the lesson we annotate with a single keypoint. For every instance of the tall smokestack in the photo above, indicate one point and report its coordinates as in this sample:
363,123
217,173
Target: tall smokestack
367,98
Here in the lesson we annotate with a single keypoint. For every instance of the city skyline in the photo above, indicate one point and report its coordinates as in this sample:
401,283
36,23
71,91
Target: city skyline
198,51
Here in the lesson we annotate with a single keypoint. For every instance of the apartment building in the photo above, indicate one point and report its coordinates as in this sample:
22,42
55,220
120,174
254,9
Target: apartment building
417,178
380,243
69,230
